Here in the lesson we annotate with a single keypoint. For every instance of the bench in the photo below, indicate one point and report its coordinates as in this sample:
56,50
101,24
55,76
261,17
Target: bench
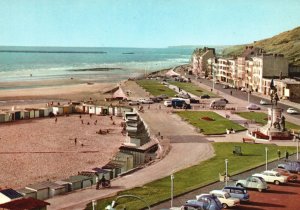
248,140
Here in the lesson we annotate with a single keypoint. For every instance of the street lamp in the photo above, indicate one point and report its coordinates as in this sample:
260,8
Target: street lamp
226,171
266,158
172,189
248,96
114,203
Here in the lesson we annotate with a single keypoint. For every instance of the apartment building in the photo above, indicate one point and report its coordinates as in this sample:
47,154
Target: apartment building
199,61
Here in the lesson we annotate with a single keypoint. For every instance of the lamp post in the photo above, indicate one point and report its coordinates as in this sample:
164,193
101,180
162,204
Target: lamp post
172,189
248,96
94,203
298,146
114,203
266,148
226,171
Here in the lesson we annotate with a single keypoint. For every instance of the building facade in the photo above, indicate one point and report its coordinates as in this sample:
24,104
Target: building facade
199,61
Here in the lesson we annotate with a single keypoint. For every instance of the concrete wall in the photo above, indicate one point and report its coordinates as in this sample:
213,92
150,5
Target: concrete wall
274,65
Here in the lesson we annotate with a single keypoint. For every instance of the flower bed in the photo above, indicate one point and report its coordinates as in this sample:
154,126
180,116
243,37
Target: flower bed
207,119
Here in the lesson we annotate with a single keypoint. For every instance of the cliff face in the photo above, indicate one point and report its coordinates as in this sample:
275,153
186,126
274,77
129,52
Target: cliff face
286,43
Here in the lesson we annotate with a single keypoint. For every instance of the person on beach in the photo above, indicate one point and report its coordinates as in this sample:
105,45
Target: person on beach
111,117
278,154
75,141
95,123
81,121
55,119
90,115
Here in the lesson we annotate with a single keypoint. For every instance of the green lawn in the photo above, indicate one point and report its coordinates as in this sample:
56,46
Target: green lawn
217,126
155,88
261,118
199,175
192,88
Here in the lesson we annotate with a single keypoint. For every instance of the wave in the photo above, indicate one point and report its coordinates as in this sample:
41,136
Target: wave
96,69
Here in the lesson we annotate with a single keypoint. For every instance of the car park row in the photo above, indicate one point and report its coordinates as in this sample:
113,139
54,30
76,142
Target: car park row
233,196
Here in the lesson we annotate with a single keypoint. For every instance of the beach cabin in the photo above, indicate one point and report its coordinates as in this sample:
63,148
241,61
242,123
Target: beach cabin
127,160
118,111
111,110
92,109
92,174
67,109
27,193
36,113
25,203
105,111
2,117
44,112
42,190
79,181
98,110
58,110
102,172
67,185
26,114
31,112
116,168
54,188
8,195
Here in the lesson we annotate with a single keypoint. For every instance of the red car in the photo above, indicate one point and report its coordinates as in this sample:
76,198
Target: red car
291,177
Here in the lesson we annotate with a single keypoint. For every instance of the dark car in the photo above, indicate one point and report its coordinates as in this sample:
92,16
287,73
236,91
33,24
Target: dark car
205,96
156,99
194,101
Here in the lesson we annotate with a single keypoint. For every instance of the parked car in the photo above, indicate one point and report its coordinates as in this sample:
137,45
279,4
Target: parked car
194,101
237,192
217,104
209,202
183,95
156,99
291,177
132,103
291,166
146,101
224,99
225,198
292,111
243,89
163,96
253,107
225,86
253,182
205,96
272,177
168,103
263,102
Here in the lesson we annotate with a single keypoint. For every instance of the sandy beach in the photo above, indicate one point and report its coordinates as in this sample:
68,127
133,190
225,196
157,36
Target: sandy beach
38,93
40,149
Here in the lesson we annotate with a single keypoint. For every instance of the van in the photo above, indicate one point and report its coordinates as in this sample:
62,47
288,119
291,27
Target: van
218,104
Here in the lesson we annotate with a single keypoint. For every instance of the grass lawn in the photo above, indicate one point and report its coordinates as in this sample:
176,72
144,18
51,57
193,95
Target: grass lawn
155,88
199,175
261,118
217,126
192,88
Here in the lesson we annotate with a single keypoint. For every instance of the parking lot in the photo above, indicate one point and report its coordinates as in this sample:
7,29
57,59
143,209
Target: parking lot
276,197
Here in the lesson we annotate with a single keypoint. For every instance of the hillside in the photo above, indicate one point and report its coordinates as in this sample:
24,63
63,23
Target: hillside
286,43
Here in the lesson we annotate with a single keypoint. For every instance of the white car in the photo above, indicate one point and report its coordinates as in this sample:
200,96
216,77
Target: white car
253,107
168,103
243,89
225,198
272,177
263,102
145,101
132,103
292,111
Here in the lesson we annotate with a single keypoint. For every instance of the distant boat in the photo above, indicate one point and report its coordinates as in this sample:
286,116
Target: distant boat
128,53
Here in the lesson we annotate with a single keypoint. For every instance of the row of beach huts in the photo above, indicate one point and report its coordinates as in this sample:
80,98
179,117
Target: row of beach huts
137,150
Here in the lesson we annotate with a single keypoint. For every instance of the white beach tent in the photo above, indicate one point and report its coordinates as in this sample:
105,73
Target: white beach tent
119,94
172,73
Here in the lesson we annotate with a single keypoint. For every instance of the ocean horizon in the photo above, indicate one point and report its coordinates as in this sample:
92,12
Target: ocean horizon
97,64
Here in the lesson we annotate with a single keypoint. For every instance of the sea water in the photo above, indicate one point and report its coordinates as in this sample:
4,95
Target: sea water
87,64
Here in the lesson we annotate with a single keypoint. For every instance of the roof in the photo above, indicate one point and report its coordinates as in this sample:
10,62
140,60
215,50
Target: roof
100,170
25,191
38,186
119,94
77,178
87,173
10,193
24,203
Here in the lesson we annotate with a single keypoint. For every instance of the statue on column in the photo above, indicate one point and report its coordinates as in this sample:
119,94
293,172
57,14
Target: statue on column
273,93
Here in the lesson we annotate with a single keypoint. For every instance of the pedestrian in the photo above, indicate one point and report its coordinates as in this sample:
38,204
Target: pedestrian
95,123
90,115
278,154
75,141
55,119
81,121
286,155
111,117
80,116
231,92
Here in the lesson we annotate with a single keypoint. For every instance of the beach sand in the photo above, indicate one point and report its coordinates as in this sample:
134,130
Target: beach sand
34,95
40,149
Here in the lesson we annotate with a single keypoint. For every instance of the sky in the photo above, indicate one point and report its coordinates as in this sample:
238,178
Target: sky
143,23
